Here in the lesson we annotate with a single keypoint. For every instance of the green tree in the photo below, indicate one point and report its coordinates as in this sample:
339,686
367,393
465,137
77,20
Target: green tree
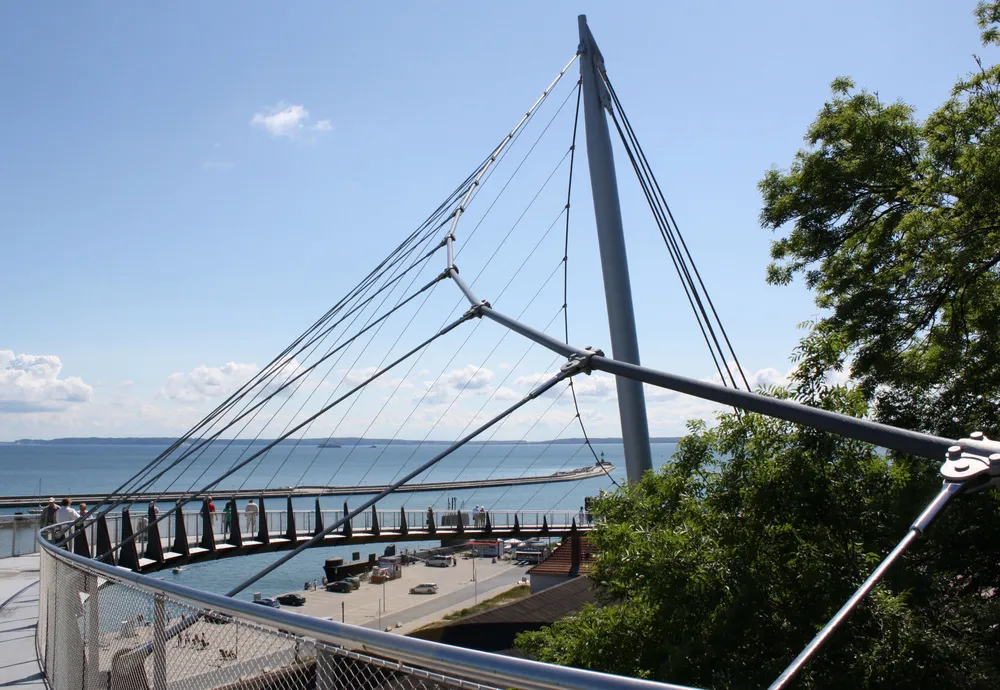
895,224
716,572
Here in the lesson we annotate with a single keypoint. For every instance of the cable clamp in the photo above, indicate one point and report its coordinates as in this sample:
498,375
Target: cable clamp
475,312
974,461
580,363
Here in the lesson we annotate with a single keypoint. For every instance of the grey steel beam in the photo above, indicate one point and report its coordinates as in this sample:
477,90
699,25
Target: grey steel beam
530,333
912,442
463,286
917,529
614,259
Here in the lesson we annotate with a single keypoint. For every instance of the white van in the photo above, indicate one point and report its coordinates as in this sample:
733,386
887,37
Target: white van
425,588
439,561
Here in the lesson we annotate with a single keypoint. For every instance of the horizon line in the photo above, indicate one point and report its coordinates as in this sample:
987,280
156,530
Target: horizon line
351,440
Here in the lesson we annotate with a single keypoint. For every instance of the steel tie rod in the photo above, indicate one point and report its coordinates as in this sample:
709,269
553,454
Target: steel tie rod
570,369
967,468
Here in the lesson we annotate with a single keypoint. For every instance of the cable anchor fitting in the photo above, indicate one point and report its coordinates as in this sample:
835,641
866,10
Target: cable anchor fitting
474,312
973,461
580,363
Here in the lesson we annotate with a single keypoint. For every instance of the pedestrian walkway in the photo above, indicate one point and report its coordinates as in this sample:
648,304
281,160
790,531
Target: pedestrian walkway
19,667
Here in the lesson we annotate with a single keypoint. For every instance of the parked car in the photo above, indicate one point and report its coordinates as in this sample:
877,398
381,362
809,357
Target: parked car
341,586
425,588
292,599
439,561
355,582
268,601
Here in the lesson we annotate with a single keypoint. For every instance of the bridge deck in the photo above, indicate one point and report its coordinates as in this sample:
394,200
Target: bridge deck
223,549
573,475
185,539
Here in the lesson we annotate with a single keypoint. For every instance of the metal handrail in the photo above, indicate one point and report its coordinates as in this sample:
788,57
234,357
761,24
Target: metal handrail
494,669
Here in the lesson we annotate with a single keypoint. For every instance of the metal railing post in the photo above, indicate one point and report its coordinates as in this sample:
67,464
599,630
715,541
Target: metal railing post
52,651
93,640
159,642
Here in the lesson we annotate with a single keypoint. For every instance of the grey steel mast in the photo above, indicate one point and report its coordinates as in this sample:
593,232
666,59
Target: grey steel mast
614,261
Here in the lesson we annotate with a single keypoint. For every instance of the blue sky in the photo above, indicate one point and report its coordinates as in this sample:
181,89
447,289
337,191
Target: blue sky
160,223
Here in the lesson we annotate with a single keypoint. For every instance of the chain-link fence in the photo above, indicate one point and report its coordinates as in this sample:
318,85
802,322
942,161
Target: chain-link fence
95,631
102,627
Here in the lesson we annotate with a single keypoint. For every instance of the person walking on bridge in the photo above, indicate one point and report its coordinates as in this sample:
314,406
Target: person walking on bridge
251,512
66,513
49,513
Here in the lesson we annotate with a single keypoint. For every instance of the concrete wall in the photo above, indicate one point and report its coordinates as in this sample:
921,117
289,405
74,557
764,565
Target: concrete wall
542,582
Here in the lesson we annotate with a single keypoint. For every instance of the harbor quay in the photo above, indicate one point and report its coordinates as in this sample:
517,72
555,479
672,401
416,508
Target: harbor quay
385,605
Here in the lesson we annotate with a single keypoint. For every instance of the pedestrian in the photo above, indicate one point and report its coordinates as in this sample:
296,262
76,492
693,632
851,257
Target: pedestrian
83,509
65,513
582,516
227,516
430,516
156,511
50,510
140,530
251,511
475,516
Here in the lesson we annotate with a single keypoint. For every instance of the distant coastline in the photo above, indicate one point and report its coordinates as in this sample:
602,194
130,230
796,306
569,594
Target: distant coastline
346,441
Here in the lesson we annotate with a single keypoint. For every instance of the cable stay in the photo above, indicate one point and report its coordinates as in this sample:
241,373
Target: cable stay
687,271
563,373
972,464
427,230
278,363
215,482
427,290
497,428
251,409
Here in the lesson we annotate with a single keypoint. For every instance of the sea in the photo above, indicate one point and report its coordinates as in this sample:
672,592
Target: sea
62,470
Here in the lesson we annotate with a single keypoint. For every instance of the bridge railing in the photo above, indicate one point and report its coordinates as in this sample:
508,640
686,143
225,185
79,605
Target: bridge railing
17,534
100,627
305,523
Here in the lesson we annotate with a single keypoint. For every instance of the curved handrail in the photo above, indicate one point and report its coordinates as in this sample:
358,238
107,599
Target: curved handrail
493,669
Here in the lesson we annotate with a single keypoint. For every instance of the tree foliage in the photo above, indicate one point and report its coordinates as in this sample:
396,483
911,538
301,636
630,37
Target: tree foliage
718,568
895,224
716,574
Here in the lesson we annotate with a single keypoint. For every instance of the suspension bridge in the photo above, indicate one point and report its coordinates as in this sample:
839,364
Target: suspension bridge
372,359
209,536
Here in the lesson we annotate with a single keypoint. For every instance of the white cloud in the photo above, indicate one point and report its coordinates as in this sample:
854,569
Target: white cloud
353,377
31,383
598,386
203,383
468,379
291,121
506,393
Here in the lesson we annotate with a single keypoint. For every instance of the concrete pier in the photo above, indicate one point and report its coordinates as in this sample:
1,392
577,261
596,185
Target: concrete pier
574,475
